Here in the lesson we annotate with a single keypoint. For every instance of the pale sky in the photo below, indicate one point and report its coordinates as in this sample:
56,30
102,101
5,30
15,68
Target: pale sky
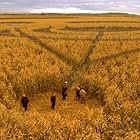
70,6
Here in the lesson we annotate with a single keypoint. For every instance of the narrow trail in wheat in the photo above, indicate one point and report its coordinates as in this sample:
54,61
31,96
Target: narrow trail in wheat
62,56
68,110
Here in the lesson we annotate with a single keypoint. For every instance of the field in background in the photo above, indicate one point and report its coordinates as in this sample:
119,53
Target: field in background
40,52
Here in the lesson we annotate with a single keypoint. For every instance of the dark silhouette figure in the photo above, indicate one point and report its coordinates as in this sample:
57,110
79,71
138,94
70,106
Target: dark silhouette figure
64,91
78,93
25,102
53,101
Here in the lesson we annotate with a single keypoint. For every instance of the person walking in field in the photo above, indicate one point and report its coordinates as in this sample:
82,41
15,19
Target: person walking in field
24,101
78,93
82,95
64,90
53,100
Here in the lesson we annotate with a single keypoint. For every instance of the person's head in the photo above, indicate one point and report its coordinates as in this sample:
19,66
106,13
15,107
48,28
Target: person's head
54,94
23,95
65,83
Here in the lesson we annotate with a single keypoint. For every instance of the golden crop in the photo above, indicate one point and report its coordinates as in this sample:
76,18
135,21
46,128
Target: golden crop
39,52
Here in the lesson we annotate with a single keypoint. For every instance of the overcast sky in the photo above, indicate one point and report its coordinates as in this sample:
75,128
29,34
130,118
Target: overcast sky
70,6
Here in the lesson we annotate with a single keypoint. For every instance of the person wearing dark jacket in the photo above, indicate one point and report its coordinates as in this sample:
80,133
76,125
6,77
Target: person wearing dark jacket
53,101
25,102
64,91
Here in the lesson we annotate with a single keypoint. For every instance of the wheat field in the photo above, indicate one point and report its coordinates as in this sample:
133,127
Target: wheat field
99,52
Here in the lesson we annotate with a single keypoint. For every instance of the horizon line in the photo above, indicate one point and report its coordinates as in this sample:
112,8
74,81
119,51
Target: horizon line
74,13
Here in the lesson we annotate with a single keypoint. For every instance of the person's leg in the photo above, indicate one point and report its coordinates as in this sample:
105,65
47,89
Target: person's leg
81,100
64,96
53,106
25,107
76,96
